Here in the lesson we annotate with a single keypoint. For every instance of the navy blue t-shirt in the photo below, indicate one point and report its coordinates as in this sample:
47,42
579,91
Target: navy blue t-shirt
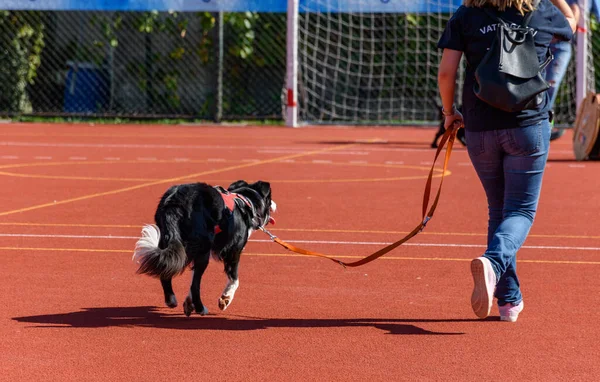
471,31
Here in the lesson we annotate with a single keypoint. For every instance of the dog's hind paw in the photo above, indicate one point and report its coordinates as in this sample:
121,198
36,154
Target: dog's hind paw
224,302
171,301
188,306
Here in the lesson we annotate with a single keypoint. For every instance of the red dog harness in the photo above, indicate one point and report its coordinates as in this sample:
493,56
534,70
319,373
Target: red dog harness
229,200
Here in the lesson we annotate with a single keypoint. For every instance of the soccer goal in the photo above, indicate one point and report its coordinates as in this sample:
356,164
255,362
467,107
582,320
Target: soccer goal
375,62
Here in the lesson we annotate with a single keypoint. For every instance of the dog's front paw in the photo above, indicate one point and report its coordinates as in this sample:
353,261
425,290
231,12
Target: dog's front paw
203,311
224,302
188,306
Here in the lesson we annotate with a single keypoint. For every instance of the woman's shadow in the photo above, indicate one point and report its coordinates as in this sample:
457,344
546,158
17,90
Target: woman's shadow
148,316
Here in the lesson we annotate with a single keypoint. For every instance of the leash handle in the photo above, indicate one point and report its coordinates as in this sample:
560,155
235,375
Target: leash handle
448,138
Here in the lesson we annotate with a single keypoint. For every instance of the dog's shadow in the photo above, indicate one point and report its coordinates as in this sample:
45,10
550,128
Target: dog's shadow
147,316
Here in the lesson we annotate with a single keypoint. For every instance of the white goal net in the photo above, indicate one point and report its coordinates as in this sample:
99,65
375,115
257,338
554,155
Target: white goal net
375,62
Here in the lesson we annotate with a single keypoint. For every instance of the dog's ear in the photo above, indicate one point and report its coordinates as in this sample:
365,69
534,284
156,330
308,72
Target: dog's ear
263,188
237,184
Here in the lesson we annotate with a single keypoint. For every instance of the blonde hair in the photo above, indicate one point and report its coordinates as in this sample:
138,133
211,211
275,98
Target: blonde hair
523,6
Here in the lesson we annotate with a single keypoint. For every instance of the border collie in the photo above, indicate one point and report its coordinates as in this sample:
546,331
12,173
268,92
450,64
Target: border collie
195,221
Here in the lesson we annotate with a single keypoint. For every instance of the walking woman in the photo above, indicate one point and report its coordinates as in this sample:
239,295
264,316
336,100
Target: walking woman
508,150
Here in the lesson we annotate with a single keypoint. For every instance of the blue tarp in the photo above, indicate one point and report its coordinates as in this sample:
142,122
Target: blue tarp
377,6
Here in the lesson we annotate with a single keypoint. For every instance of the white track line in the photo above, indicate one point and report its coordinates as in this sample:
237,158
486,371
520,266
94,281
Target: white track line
329,242
67,236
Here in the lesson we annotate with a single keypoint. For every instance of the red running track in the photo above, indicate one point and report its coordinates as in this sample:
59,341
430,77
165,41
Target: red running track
74,198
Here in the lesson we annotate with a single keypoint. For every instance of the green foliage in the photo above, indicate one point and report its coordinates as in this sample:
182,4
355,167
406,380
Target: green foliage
20,50
254,49
242,27
255,52
109,25
595,31
161,73
205,49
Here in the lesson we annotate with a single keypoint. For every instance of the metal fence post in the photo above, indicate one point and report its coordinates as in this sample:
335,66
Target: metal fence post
220,54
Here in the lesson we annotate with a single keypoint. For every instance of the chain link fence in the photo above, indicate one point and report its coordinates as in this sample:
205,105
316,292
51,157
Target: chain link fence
211,66
193,65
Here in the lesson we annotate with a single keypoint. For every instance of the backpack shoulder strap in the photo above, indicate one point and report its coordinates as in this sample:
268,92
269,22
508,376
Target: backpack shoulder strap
526,19
524,23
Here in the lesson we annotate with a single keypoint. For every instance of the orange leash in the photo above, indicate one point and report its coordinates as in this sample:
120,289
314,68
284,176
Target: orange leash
448,137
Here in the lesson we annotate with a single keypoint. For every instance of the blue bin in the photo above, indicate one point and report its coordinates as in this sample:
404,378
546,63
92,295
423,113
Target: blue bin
87,88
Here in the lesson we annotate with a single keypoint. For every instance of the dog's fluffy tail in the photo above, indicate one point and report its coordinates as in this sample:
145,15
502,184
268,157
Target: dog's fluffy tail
154,261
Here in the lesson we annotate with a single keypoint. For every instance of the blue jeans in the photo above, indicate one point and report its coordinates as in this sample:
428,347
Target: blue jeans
555,71
510,164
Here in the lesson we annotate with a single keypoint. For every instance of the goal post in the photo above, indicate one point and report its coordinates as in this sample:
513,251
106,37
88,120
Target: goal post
291,95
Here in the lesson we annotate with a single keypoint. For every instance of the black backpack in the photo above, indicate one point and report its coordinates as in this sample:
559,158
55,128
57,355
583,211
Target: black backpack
509,75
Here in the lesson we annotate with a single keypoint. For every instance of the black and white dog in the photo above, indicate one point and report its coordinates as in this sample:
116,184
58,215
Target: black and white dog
195,221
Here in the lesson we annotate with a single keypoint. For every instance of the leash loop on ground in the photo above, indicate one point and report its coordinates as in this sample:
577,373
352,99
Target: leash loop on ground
448,138
425,221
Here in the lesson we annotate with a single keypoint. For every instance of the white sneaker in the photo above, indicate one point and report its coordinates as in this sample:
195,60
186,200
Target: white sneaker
484,280
510,312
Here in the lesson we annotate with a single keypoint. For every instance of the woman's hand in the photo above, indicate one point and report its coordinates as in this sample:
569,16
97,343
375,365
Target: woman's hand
455,117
